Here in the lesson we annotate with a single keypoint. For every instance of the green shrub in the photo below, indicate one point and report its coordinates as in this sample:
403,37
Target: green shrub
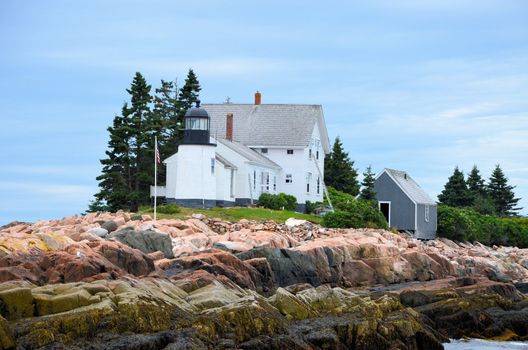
168,209
355,213
338,197
468,225
281,201
310,207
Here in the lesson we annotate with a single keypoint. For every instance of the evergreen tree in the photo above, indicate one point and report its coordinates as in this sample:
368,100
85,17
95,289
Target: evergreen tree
475,184
167,110
478,195
97,205
367,190
189,93
142,124
455,193
115,180
502,194
339,170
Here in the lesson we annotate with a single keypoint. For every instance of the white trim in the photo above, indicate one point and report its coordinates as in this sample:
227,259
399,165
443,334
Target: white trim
275,147
390,205
415,217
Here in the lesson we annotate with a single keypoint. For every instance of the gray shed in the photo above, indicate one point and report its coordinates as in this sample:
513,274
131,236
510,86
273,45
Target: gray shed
405,204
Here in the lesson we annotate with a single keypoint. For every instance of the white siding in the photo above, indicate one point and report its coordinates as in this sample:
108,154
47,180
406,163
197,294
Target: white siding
299,165
195,179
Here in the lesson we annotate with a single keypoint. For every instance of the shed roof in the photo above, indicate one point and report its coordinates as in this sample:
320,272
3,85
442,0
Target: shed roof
280,125
409,186
249,154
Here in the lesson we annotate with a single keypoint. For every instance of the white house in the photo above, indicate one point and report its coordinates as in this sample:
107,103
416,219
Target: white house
232,153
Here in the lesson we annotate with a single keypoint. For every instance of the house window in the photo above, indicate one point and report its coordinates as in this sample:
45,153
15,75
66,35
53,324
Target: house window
426,214
317,154
308,180
289,151
274,183
264,181
254,179
289,179
318,184
212,165
264,150
310,153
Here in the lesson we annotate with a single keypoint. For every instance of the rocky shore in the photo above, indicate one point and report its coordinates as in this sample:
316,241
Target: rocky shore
116,281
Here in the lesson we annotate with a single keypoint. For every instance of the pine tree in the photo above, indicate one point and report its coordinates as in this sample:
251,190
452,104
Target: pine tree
166,110
115,180
475,184
455,193
367,190
502,194
339,170
189,93
478,195
142,175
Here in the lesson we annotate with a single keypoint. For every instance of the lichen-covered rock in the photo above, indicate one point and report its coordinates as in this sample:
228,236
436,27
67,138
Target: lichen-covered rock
7,340
16,303
291,306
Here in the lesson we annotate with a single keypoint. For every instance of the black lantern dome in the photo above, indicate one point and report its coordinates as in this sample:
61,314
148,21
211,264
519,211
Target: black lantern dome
197,124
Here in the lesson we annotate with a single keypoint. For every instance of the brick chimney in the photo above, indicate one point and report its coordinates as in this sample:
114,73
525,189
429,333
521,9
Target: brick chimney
257,98
229,126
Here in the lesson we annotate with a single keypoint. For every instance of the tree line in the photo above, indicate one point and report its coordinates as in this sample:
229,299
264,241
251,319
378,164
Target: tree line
494,197
127,170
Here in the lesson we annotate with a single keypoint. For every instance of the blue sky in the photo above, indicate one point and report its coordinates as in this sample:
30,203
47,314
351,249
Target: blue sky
415,85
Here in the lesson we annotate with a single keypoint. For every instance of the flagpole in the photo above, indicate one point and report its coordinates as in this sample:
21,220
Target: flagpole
155,175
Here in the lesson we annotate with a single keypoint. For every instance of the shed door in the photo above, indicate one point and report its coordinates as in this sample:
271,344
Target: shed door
385,209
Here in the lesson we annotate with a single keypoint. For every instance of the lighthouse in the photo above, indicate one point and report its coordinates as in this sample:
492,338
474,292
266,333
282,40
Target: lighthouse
195,182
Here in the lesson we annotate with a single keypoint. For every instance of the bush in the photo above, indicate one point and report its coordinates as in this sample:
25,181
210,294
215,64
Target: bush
338,197
468,225
281,201
356,213
310,207
168,209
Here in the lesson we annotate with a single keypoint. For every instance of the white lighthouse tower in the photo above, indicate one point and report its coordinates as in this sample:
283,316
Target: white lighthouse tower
194,184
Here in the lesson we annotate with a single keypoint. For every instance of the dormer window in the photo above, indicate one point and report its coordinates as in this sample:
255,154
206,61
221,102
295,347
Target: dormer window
289,151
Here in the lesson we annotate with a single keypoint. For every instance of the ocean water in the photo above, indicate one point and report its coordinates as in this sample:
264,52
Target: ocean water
477,344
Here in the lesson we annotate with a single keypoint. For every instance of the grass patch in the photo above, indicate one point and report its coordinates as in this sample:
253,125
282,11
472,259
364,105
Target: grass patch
235,214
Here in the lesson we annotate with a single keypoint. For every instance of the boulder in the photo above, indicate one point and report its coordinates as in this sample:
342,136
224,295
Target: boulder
148,241
111,225
288,266
16,303
99,231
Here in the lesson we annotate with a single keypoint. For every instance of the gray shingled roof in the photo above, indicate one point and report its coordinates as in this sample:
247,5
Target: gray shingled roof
248,153
410,187
269,125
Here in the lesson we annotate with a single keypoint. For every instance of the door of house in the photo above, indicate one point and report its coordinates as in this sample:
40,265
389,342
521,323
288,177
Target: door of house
385,208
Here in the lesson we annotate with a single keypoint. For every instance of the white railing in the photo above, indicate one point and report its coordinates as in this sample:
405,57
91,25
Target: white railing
160,191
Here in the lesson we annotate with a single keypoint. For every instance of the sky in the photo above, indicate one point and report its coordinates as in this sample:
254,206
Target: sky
416,85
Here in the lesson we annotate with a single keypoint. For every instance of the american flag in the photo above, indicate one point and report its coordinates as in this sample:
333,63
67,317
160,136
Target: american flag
158,159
